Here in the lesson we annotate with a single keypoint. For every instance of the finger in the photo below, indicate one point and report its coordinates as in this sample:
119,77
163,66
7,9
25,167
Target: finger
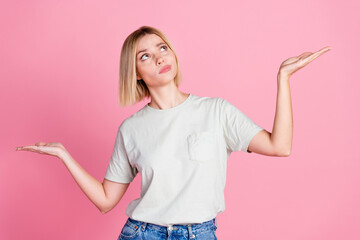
319,53
29,148
322,51
37,149
19,148
305,59
40,144
305,54
290,60
325,48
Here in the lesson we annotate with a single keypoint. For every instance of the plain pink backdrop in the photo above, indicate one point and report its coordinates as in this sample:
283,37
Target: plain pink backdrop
59,82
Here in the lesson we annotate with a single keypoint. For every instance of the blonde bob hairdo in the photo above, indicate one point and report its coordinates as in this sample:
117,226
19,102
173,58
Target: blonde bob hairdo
132,90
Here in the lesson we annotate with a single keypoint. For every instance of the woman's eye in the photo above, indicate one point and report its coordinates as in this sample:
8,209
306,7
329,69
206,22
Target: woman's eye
163,46
143,56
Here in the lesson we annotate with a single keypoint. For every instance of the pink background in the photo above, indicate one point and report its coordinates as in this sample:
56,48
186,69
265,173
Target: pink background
59,80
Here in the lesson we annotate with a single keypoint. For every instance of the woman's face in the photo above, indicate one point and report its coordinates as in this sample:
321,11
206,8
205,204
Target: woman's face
152,55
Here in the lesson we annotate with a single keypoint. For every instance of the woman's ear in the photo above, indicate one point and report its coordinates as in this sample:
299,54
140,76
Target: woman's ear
138,77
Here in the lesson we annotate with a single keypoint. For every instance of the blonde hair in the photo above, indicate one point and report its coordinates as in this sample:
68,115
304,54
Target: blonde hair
132,90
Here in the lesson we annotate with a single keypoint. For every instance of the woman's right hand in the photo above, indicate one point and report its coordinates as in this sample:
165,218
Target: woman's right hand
53,148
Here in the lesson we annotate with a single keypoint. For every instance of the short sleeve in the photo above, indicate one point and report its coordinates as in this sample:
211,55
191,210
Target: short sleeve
238,128
120,169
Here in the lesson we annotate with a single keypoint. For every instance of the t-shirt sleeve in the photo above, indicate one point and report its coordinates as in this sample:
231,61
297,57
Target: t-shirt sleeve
238,128
120,169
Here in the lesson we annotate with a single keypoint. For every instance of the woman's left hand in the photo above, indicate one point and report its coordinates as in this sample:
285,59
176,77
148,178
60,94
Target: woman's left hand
291,65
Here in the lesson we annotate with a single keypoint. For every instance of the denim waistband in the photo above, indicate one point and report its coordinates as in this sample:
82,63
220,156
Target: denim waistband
195,227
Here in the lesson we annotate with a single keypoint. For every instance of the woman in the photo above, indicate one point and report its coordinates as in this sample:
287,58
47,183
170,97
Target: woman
179,142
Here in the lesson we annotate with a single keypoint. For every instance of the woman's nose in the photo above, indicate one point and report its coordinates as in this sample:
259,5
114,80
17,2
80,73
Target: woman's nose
160,60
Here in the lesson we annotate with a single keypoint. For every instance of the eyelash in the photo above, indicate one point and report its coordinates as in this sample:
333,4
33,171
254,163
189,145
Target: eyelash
166,47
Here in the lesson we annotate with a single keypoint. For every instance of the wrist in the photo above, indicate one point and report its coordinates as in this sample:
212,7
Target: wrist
63,155
282,77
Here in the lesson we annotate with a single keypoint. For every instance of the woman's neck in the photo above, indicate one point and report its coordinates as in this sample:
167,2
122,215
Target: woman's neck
166,101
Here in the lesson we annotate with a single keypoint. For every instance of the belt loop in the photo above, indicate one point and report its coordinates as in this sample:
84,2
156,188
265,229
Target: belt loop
216,225
143,226
191,235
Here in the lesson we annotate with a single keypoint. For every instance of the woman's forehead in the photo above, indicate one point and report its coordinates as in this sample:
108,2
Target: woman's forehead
149,40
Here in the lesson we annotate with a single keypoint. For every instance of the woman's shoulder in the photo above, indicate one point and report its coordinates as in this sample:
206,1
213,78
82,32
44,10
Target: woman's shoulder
208,99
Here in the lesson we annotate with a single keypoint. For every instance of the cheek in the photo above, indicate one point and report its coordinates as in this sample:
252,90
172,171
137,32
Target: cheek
142,68
174,59
146,69
175,62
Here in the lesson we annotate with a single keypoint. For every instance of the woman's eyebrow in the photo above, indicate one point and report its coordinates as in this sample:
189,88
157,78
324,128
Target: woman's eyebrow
144,50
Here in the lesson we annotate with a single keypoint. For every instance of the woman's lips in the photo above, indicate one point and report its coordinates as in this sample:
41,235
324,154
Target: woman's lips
165,69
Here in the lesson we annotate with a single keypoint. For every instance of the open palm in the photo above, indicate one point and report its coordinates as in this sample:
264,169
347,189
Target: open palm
52,148
293,64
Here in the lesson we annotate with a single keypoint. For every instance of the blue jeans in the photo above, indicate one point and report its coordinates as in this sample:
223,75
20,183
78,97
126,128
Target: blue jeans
134,229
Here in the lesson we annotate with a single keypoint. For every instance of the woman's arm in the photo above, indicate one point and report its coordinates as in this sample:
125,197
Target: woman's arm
279,142
104,195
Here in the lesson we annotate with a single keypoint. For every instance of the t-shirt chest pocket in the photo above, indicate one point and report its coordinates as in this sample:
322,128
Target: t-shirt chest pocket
202,146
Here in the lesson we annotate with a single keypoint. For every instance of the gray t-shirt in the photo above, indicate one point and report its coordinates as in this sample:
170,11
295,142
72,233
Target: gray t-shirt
182,154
